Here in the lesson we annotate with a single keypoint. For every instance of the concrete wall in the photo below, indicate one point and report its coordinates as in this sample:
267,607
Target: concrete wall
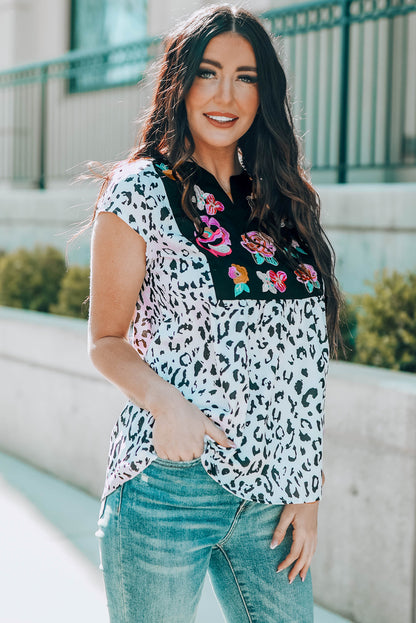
57,413
370,226
51,217
56,410
365,561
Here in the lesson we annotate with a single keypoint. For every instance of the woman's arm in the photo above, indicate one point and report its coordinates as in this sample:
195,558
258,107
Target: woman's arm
118,266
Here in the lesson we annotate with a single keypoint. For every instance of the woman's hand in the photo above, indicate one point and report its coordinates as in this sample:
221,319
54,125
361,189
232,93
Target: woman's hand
304,519
178,431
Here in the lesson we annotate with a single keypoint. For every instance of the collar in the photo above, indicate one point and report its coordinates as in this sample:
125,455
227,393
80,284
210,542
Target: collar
241,182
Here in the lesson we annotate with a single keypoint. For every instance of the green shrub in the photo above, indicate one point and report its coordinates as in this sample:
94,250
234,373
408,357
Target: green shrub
73,293
386,323
31,279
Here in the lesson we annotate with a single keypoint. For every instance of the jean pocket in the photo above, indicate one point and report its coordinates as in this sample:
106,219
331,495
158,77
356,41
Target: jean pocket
102,508
117,502
113,501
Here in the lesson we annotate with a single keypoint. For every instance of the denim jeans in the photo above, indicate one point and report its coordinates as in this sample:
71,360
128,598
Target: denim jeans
161,532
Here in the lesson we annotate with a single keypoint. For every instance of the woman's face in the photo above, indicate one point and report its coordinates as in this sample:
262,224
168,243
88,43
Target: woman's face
223,99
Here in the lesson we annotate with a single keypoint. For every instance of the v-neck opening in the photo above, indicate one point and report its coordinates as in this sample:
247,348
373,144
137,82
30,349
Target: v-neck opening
237,183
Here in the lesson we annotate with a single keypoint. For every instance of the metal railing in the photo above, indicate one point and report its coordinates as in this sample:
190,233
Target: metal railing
56,115
351,66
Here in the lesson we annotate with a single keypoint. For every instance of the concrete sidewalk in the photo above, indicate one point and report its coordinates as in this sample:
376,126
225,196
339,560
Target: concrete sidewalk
49,556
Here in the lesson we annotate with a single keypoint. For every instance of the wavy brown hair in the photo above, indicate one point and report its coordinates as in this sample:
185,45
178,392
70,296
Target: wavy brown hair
269,150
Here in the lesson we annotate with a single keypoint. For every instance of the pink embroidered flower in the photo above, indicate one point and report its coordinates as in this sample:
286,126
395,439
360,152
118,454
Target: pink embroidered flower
207,202
213,206
260,246
308,276
258,243
272,281
215,238
278,279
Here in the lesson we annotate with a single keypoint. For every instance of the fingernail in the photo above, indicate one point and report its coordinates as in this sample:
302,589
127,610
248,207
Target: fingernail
279,570
273,544
232,444
290,581
303,579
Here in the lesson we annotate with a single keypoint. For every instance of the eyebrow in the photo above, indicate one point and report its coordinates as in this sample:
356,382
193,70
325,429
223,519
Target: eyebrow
216,64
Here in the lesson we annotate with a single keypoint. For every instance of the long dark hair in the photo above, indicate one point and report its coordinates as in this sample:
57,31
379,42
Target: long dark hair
269,150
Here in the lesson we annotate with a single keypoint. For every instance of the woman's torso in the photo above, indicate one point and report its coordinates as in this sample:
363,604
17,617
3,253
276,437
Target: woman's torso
234,328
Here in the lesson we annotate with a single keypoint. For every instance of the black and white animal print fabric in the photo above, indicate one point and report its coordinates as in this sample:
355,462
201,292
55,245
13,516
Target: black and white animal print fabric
223,318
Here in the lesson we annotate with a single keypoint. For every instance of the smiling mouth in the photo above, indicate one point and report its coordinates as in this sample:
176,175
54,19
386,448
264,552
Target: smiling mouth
221,118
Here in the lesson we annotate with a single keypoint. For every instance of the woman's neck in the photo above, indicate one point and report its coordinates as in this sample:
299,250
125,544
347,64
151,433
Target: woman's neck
221,165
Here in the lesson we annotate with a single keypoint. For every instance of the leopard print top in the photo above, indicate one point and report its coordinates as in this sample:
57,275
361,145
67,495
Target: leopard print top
223,318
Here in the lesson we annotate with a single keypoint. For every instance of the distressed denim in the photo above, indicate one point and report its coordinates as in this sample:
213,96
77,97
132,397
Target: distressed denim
161,532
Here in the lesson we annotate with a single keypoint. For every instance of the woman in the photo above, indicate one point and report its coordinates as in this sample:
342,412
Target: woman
211,241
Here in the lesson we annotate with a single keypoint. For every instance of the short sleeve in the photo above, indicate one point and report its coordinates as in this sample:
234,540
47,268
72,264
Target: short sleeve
125,196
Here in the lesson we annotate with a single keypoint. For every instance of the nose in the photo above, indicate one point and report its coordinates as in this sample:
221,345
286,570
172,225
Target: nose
225,91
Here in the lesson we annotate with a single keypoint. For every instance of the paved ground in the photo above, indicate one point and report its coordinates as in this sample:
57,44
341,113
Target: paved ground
49,558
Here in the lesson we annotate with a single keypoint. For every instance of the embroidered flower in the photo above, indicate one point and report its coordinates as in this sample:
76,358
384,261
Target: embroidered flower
272,281
307,275
215,238
240,277
207,202
294,249
296,246
165,170
260,246
278,279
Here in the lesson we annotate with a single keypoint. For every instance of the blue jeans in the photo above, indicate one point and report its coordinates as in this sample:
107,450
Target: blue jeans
163,530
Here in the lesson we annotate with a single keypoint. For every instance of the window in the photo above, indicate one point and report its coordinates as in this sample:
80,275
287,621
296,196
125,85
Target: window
99,24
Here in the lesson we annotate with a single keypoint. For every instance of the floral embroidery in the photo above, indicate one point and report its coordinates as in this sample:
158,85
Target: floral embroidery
240,277
207,202
273,281
215,238
307,275
165,169
297,247
260,246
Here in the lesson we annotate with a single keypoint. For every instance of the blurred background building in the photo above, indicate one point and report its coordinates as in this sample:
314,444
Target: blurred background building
75,76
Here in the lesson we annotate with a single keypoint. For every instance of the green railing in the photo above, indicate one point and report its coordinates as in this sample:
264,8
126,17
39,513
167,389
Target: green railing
351,66
56,115
355,68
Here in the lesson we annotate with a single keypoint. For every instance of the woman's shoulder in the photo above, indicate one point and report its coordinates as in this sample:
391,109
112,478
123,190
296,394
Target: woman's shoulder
131,193
145,167
133,171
